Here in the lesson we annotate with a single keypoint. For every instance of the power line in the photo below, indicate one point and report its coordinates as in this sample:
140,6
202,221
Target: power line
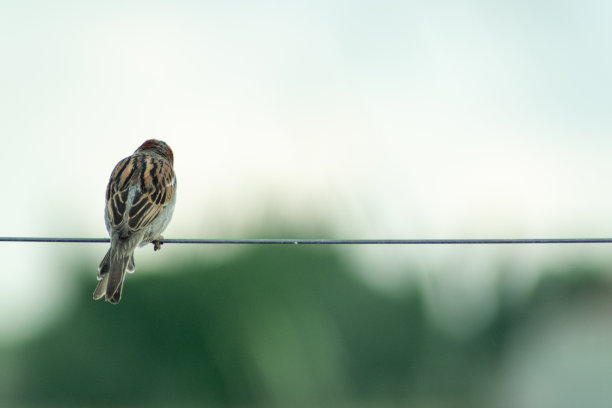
302,241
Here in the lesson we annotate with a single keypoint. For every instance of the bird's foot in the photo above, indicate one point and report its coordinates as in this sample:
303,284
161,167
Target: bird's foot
158,243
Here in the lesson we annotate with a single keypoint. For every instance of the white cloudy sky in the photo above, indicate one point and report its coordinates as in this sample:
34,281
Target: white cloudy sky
396,119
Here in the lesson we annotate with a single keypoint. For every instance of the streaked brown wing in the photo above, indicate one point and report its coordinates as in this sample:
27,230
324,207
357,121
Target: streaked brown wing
151,179
118,190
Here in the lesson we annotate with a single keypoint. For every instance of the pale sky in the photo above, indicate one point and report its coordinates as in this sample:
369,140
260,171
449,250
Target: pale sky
385,119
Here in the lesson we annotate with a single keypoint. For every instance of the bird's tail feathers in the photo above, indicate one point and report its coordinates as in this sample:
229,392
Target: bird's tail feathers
112,274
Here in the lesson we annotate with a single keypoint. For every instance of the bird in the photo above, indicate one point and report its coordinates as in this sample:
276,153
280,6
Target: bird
140,199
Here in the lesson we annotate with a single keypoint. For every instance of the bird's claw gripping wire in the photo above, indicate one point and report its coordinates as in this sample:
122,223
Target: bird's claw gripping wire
157,243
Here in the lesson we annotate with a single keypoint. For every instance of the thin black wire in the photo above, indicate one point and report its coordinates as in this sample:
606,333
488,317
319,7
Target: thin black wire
301,241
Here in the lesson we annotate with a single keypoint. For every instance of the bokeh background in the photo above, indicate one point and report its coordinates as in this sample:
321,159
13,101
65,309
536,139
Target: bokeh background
318,119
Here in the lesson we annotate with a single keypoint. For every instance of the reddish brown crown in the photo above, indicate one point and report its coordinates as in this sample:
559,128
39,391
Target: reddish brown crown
158,147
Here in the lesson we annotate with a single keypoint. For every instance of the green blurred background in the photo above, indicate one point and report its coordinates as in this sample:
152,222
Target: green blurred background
287,326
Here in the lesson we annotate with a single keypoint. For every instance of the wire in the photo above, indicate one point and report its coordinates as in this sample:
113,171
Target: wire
301,241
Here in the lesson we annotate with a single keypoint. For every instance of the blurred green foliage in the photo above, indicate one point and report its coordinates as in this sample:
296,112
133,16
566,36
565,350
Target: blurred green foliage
268,328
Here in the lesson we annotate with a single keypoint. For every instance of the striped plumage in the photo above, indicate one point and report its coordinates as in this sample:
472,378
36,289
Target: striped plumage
139,203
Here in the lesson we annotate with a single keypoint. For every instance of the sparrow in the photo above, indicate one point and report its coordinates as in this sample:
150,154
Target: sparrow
140,199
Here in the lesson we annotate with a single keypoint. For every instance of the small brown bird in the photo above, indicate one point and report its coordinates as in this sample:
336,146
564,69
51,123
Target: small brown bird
140,201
